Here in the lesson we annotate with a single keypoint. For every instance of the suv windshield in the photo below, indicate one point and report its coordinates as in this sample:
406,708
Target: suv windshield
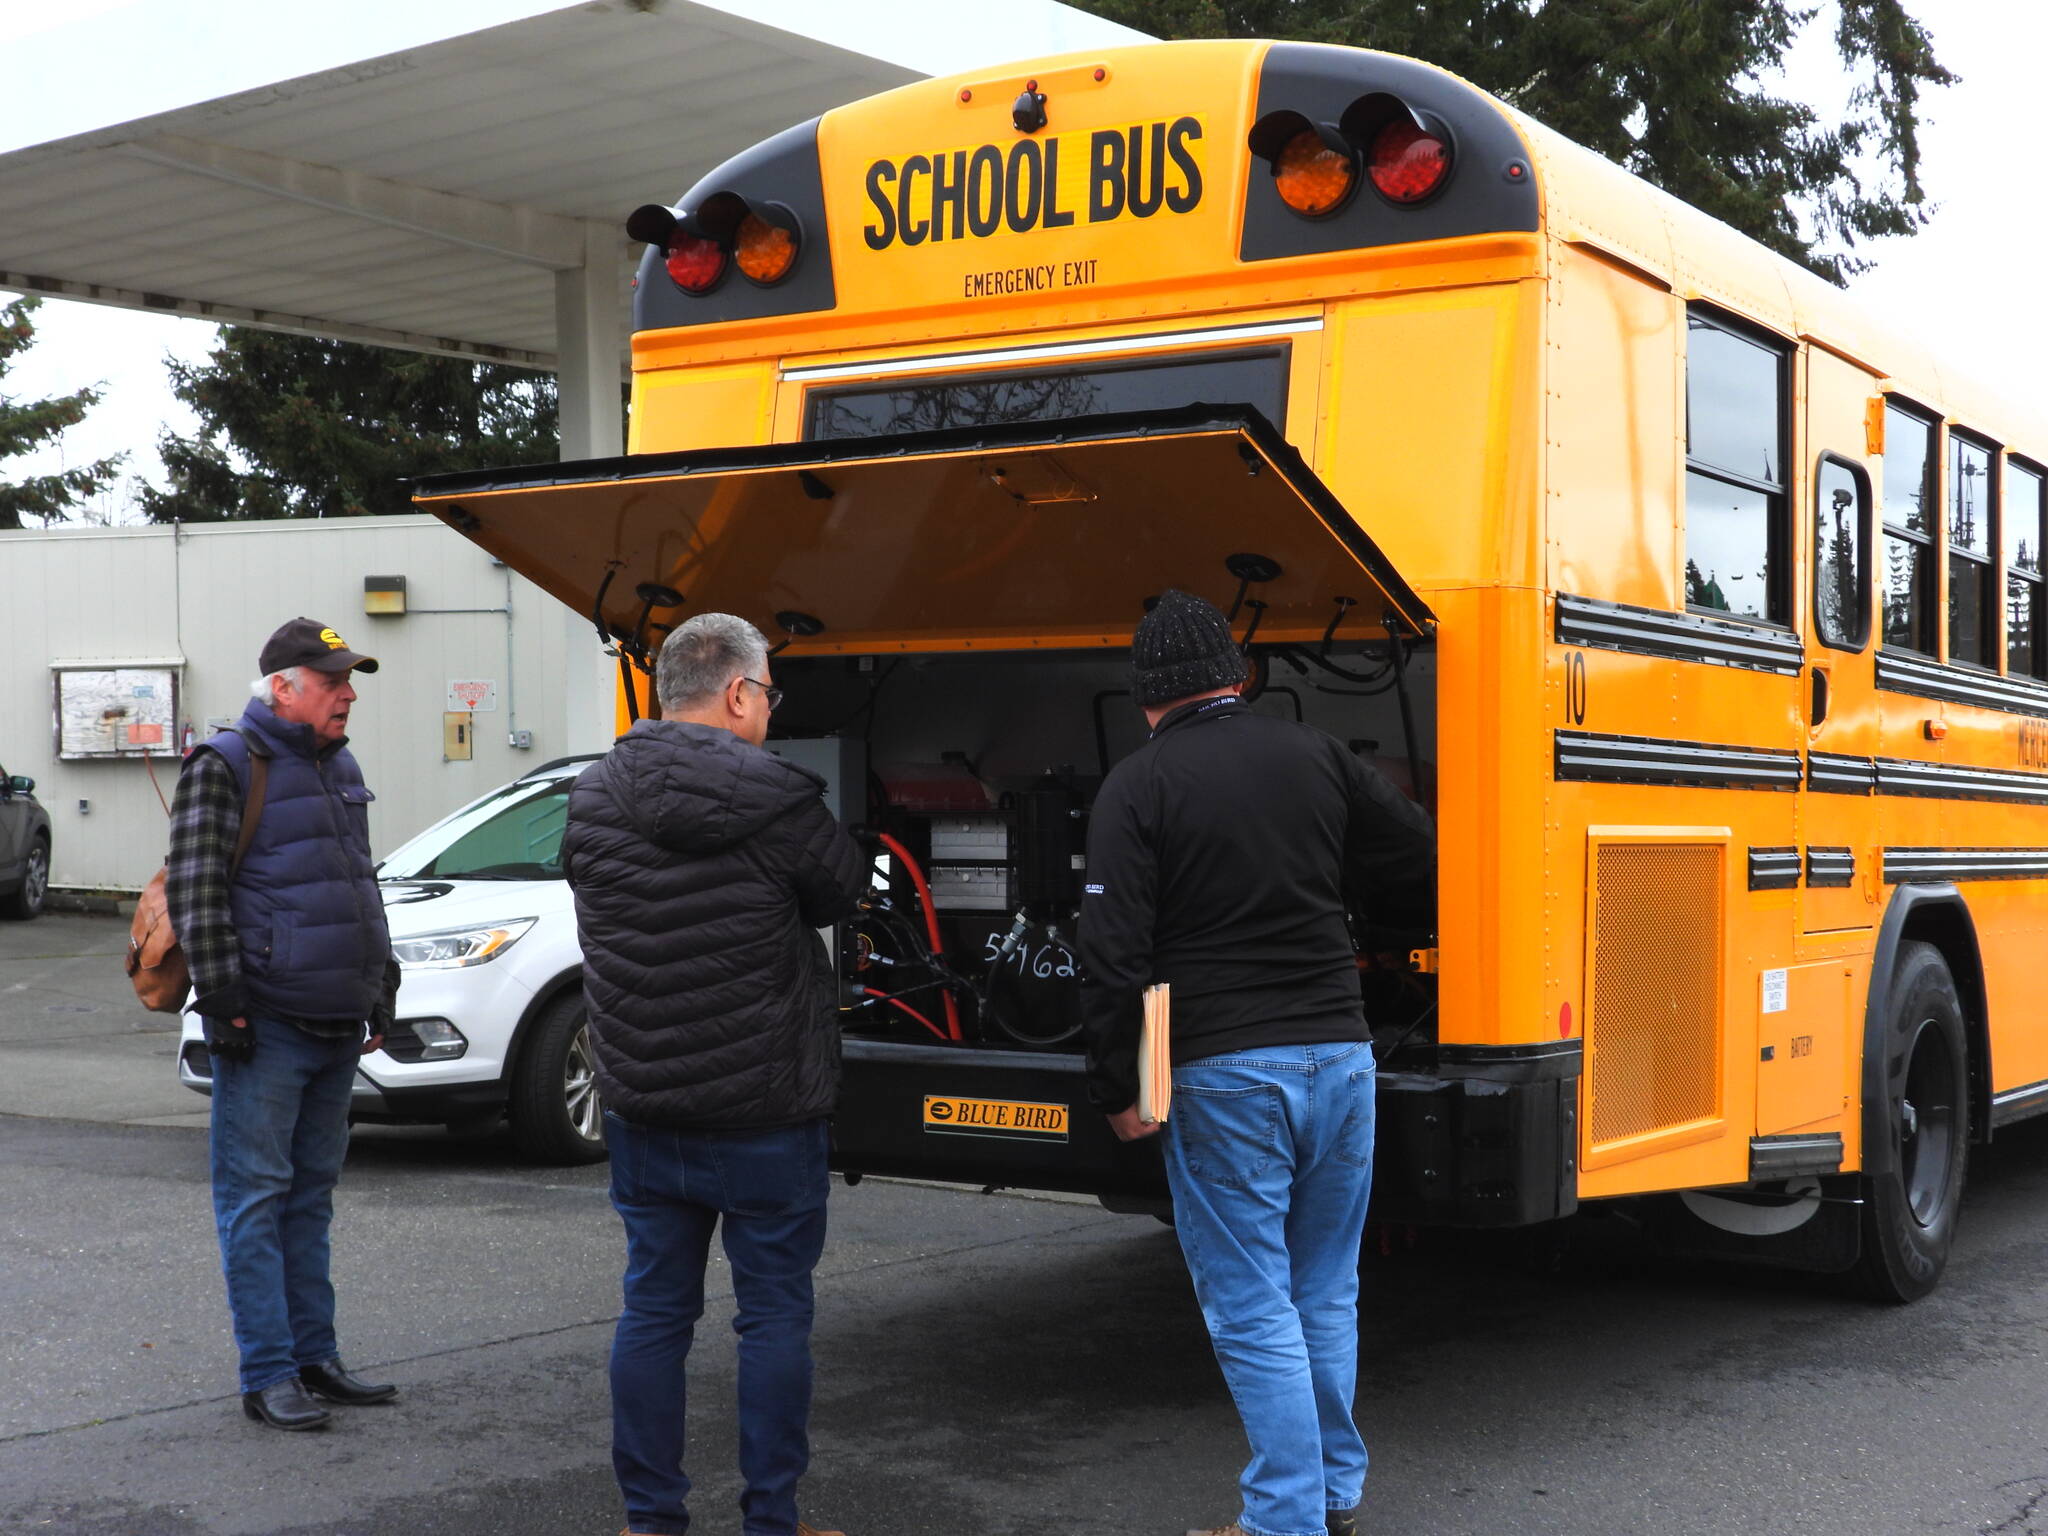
515,834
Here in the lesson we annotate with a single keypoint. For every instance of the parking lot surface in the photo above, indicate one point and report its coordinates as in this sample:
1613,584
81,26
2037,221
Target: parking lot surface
995,1364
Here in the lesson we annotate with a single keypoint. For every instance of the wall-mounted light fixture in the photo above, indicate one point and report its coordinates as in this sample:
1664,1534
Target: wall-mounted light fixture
384,594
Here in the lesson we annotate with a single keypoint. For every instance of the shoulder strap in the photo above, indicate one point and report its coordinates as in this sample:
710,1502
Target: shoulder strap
252,808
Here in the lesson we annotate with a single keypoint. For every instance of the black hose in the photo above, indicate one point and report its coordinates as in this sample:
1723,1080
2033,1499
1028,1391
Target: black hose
1331,667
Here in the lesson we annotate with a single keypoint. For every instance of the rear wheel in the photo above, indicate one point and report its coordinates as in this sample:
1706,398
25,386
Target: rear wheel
1910,1209
35,885
556,1114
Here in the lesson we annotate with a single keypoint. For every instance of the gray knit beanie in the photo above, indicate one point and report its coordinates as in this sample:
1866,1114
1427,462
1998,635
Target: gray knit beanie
1183,647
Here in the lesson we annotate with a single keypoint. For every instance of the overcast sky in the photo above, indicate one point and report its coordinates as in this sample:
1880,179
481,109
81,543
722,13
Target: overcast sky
1960,283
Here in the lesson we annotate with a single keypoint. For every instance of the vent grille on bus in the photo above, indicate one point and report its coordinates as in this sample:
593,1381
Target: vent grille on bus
1653,1035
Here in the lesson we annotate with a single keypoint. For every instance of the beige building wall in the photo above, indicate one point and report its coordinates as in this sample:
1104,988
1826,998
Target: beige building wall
207,596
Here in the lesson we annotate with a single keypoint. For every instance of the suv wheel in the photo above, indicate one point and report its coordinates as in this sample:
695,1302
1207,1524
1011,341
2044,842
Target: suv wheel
557,1116
35,885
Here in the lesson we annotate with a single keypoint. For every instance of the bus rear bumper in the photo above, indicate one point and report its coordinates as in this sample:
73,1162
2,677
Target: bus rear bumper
1488,1139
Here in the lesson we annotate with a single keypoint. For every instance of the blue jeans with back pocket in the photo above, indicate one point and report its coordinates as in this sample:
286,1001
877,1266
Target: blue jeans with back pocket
765,1192
1269,1156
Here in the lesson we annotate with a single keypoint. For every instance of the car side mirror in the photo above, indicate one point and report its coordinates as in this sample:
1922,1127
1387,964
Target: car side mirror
21,784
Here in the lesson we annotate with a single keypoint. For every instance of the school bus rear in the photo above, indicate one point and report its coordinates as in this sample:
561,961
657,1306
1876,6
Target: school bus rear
944,384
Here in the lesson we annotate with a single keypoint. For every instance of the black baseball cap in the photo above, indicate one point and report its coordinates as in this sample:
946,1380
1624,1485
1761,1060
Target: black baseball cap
309,643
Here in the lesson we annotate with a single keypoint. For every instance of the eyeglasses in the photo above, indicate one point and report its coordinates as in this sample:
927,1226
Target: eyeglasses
772,695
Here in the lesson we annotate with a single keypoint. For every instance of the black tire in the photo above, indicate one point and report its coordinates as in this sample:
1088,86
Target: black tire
1910,1210
34,892
554,1107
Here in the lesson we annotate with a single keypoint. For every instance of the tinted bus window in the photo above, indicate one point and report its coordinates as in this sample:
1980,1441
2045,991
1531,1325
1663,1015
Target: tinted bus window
1972,509
1841,537
1735,480
1257,379
1908,531
2026,512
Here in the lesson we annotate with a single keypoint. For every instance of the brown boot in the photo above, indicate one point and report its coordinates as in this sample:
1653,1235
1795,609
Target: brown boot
811,1530
1232,1529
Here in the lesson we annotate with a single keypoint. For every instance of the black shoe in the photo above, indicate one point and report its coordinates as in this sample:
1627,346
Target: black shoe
284,1405
1344,1522
333,1382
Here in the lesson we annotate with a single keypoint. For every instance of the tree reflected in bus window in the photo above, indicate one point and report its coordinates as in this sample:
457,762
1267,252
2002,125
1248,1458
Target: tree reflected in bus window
1972,510
2026,512
1257,379
1909,548
1841,534
1727,548
1735,531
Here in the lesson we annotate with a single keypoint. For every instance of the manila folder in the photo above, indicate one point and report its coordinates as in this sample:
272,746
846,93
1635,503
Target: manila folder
1155,1055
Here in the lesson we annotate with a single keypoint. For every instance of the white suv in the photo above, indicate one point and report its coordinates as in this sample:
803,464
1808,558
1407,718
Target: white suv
490,1016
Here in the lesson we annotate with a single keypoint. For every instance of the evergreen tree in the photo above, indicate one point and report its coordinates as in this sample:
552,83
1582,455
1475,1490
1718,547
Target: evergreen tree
26,425
300,426
1668,88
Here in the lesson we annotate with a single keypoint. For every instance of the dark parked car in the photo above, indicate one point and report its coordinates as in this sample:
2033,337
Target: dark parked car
24,848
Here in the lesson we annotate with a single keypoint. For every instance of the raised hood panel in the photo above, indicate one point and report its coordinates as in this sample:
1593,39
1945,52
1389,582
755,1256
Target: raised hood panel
1044,534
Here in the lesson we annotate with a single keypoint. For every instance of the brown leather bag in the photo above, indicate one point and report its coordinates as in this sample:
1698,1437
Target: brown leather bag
156,961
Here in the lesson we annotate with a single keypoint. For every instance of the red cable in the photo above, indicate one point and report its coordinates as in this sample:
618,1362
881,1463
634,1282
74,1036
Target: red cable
931,927
902,1007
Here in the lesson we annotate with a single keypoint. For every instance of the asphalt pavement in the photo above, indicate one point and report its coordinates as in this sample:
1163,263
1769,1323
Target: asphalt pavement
1000,1364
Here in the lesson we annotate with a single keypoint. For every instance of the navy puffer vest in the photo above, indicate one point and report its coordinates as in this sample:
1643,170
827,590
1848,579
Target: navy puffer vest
307,911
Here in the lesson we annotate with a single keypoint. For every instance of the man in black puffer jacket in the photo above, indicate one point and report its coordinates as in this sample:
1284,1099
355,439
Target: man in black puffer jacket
703,866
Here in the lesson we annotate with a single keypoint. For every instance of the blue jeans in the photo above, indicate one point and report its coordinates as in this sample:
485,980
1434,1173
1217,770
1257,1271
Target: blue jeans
671,1188
1269,1156
279,1133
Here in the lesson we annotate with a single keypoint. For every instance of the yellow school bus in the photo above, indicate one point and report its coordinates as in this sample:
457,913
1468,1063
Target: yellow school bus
1703,612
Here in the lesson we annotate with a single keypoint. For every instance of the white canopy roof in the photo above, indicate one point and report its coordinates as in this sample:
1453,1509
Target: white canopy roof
421,173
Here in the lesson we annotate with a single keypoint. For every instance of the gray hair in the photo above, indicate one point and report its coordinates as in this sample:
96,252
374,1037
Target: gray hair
702,656
264,689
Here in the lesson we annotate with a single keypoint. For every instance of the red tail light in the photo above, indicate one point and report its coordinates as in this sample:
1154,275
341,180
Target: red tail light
1407,163
694,262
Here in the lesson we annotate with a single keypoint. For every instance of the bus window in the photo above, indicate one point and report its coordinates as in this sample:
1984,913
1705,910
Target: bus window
1908,531
1734,472
2026,510
1841,545
1972,508
1257,379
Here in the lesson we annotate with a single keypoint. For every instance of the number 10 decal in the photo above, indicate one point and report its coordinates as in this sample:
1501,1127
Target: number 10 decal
1575,687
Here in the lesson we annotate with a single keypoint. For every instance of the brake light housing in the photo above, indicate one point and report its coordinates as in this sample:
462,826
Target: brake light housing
763,240
1403,152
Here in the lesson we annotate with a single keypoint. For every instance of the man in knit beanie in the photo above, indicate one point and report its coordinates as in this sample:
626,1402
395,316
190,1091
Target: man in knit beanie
1221,858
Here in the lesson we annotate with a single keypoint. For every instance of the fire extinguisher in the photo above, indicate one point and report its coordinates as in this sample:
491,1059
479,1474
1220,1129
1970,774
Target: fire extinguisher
185,742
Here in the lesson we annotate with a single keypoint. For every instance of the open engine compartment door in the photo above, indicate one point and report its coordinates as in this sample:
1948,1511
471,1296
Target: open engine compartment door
1039,534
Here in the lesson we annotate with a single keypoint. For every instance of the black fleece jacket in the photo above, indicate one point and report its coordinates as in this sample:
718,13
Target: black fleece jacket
1221,857
701,866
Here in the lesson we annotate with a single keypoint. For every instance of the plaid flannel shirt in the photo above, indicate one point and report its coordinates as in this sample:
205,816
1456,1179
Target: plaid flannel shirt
206,819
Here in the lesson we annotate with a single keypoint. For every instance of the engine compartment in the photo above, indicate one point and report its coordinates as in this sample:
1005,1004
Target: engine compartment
970,779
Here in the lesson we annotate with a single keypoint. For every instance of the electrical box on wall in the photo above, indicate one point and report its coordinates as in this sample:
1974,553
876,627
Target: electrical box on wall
458,736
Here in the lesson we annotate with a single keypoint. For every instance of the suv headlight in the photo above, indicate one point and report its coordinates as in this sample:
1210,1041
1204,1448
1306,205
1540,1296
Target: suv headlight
452,948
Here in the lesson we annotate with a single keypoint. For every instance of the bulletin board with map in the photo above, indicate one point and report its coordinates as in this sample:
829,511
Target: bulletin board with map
116,711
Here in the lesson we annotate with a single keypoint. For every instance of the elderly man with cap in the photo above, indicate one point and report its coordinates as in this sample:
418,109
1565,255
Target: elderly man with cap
1221,858
293,975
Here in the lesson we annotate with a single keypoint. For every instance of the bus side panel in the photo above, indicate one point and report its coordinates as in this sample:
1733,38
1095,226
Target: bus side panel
1493,779
1428,427
1614,369
721,407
